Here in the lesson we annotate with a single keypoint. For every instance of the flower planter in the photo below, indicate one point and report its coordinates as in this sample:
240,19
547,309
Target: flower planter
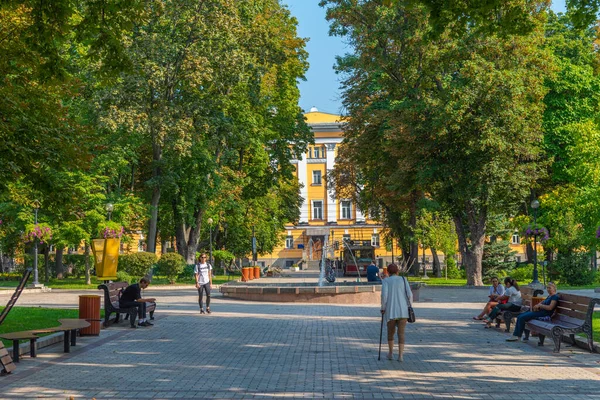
106,254
256,272
245,273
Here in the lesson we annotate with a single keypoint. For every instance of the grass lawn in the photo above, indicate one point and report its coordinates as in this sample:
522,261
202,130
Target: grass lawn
26,318
72,283
438,281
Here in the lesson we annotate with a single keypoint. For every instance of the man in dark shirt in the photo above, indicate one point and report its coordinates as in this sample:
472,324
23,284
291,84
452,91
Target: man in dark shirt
373,273
132,297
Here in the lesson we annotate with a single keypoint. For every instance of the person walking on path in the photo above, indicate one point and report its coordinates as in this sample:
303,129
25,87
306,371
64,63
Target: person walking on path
203,274
132,297
545,309
496,291
395,295
512,295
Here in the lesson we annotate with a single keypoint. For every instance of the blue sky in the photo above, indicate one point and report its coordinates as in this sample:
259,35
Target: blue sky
321,88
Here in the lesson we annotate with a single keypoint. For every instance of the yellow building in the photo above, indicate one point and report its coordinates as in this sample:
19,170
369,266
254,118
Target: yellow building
324,218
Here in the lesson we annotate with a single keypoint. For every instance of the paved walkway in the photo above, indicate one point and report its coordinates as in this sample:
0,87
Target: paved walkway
269,350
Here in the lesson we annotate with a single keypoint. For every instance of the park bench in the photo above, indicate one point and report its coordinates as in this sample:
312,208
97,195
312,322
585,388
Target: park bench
572,315
112,294
507,316
68,326
6,362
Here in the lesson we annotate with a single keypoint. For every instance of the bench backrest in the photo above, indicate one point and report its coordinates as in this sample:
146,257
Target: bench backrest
15,295
112,292
575,309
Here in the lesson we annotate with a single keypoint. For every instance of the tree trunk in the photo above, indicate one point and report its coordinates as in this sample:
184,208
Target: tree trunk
156,175
437,267
46,263
413,255
60,270
88,279
472,249
193,239
529,252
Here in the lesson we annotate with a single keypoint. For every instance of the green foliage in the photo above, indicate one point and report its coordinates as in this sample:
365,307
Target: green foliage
137,264
453,271
223,256
523,274
574,269
171,265
123,276
497,258
74,264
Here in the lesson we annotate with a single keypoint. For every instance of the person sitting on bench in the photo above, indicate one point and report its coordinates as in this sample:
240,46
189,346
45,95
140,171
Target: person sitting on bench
132,297
373,273
541,310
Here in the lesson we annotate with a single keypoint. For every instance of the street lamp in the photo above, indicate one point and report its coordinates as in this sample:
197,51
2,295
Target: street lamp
210,222
109,209
36,283
535,205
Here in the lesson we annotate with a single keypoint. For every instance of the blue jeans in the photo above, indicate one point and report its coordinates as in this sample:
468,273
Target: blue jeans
528,316
503,307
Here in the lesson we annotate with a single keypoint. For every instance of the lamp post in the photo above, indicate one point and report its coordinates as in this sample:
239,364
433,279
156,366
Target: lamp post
36,283
535,205
210,222
109,209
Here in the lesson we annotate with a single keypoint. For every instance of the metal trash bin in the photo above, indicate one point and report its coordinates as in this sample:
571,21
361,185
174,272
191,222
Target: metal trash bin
89,309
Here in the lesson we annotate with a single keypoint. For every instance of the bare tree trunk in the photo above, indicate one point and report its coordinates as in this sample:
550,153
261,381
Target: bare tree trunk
156,176
46,263
529,252
60,269
88,279
194,236
472,249
437,267
153,223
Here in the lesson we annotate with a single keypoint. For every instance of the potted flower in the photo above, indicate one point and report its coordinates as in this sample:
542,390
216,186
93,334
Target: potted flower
41,232
537,231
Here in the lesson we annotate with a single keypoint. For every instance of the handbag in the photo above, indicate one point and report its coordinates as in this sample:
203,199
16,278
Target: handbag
411,312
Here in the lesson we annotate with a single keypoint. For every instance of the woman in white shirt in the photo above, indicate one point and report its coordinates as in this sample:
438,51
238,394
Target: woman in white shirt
395,299
513,296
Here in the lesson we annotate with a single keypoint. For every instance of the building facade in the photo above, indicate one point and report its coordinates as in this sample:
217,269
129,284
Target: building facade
326,220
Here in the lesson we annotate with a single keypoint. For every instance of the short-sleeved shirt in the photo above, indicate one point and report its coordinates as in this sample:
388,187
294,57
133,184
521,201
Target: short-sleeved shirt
497,290
547,302
373,273
131,293
203,271
514,296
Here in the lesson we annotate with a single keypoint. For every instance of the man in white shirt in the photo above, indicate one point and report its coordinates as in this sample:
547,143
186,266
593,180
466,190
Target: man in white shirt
203,274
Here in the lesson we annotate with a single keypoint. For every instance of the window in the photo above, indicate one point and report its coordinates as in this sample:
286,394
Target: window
317,209
316,152
316,177
346,209
289,242
375,240
516,239
518,258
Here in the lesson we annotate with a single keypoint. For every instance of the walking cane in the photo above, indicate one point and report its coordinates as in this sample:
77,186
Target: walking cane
380,336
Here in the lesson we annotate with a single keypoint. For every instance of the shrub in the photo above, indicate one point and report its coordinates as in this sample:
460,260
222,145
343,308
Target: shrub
137,264
222,256
574,269
453,271
187,273
171,265
523,274
123,276
74,264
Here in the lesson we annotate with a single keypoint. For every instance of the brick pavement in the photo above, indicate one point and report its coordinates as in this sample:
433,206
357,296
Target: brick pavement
248,350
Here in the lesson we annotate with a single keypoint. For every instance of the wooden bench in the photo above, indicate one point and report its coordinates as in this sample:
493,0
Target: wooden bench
572,315
112,294
507,316
68,326
6,361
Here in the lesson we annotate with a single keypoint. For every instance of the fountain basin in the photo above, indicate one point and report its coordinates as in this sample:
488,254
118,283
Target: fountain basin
332,293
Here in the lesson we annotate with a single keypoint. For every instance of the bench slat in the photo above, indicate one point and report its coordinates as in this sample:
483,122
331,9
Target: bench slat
574,306
574,298
573,314
4,360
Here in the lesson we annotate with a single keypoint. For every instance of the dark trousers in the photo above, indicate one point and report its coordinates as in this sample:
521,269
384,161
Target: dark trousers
528,316
140,306
202,288
503,307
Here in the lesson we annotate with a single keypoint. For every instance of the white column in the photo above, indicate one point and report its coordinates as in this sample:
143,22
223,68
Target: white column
303,189
331,198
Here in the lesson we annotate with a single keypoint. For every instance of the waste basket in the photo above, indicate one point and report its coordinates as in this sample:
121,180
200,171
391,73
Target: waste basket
89,309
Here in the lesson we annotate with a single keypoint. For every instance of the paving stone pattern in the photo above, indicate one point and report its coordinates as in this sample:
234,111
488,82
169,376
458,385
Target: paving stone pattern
249,350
